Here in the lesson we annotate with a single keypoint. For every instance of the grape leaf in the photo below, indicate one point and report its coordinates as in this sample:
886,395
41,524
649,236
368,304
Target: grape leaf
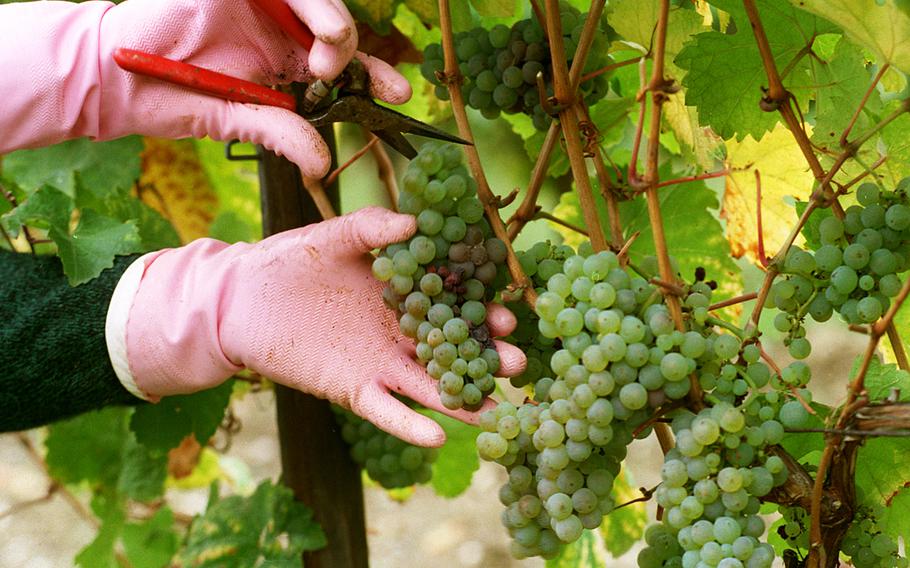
583,553
236,184
44,208
100,552
879,26
267,528
93,245
895,518
88,447
426,10
810,230
494,8
457,461
142,473
153,543
376,13
623,527
882,463
784,173
163,426
846,79
724,71
106,167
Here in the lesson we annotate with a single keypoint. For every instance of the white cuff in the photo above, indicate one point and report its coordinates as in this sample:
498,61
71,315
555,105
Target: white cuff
118,315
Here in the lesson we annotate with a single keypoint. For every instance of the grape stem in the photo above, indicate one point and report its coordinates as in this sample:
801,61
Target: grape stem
316,188
528,206
333,176
607,190
646,495
564,85
550,217
8,195
610,67
862,103
386,172
733,301
452,79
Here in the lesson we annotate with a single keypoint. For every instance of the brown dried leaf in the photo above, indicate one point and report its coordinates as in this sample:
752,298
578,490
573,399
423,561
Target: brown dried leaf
182,460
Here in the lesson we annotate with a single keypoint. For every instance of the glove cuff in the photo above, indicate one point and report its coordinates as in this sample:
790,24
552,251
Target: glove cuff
172,330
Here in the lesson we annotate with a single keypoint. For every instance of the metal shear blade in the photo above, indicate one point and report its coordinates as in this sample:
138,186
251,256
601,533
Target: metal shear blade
387,124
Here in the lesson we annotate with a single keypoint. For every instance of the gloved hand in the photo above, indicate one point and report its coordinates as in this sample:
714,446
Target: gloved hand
60,81
301,308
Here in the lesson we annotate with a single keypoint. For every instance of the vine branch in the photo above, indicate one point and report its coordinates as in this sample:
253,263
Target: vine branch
452,79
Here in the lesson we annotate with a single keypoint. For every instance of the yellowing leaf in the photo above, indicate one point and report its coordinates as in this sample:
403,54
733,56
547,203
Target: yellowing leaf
784,174
174,184
881,27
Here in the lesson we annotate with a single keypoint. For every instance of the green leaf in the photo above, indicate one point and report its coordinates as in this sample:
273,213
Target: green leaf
494,8
162,426
143,473
624,527
100,552
267,528
88,447
725,75
375,13
153,543
426,10
810,230
584,552
882,463
45,208
457,461
235,183
105,167
882,378
231,228
895,518
845,78
93,245
880,26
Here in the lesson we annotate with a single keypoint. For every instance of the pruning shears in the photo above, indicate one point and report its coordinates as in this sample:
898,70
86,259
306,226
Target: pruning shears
352,103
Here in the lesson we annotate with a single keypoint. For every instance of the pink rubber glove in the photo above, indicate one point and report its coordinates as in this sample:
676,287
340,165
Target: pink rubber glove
59,80
301,308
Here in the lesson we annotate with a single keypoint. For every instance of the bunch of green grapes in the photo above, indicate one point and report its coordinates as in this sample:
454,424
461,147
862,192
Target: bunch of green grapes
539,263
500,65
440,280
724,462
869,547
621,358
389,461
855,271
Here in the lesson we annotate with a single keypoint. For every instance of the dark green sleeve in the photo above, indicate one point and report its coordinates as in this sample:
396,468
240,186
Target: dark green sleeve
53,356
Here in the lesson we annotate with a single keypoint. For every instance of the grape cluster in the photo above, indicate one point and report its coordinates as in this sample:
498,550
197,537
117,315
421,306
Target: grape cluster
440,279
539,263
389,461
869,547
854,271
711,485
500,65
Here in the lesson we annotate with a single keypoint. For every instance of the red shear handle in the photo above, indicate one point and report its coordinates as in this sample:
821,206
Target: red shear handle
202,80
287,20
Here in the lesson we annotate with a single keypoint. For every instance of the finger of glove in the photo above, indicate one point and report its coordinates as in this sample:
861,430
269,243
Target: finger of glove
512,360
368,228
413,382
390,414
500,320
336,35
386,83
279,130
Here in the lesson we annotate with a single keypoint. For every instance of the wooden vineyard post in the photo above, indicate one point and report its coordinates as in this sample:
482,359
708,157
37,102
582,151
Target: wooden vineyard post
314,459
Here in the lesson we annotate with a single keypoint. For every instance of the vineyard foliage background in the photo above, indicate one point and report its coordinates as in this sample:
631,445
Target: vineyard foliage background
88,202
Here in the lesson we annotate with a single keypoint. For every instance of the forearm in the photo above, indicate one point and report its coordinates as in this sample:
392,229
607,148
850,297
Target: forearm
50,84
52,346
